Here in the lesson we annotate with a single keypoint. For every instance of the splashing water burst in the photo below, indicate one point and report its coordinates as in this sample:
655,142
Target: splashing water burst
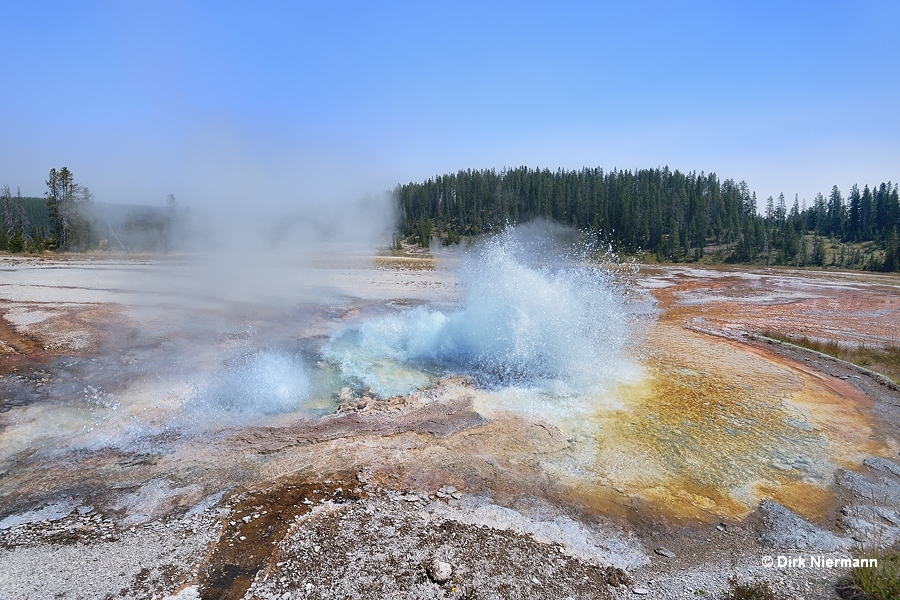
532,315
263,383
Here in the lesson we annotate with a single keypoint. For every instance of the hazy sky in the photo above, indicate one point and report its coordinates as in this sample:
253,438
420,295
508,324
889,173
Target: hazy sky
215,101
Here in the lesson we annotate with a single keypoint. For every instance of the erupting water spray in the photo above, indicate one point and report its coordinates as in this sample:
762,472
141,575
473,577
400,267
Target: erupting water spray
533,314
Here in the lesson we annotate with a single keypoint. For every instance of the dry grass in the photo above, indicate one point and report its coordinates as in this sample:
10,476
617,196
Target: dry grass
884,360
881,582
754,590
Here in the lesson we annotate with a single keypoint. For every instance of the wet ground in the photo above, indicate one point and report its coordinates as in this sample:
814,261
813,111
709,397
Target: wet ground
99,354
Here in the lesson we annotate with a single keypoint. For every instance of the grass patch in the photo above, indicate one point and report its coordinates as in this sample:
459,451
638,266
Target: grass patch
755,590
875,583
885,360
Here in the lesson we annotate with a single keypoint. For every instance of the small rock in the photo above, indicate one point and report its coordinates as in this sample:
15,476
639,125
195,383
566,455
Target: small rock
439,571
640,591
722,527
411,498
665,552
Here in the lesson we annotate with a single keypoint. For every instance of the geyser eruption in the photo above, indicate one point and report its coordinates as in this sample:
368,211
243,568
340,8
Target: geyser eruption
263,383
532,314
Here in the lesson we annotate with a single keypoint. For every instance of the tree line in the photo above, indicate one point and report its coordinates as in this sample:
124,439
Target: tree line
66,219
672,215
58,221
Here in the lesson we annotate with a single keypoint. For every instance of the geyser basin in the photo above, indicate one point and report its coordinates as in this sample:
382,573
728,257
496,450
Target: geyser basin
606,412
695,425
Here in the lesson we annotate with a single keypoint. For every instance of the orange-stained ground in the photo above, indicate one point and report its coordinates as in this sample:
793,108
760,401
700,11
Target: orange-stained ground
722,424
851,307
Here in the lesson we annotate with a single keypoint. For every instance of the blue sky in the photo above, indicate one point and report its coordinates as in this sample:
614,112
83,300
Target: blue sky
291,102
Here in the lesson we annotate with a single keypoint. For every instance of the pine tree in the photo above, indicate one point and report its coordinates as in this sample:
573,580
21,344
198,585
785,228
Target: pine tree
67,205
855,224
818,251
836,213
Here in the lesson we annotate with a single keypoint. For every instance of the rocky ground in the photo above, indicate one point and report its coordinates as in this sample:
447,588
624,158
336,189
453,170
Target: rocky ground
349,539
409,497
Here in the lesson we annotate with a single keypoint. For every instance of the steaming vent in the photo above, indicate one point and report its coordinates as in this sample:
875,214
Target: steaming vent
267,382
